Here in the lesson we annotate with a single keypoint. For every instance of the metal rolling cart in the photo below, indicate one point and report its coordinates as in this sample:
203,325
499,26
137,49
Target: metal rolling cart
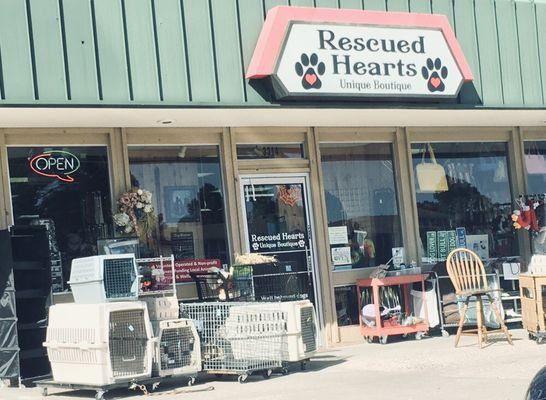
384,329
270,282
100,391
239,338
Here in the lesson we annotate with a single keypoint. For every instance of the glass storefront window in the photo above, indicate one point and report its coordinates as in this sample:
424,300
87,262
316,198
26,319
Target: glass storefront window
268,151
361,203
187,193
346,305
68,190
535,167
463,198
535,164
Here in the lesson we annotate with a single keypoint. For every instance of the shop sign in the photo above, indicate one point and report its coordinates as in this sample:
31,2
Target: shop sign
432,246
278,242
58,164
310,52
182,268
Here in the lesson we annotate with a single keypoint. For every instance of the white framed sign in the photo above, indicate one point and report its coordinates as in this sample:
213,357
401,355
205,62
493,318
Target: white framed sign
310,52
338,235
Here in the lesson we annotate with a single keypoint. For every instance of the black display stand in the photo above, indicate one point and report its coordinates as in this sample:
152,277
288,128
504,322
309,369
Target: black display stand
32,278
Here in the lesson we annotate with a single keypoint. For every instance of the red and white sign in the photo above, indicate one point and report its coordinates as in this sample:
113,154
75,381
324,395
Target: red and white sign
320,52
183,268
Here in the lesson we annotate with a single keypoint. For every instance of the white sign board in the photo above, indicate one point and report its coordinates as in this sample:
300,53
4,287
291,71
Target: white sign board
322,59
479,244
338,235
341,255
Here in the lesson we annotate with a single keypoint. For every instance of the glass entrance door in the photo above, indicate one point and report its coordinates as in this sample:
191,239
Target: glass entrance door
278,223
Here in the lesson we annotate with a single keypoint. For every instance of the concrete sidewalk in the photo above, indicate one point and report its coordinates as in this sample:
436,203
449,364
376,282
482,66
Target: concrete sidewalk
407,369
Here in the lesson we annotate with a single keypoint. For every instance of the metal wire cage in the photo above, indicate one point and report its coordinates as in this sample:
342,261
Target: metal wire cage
211,286
270,282
128,341
237,337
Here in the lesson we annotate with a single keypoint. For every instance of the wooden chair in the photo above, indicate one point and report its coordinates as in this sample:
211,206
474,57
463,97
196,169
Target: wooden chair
468,276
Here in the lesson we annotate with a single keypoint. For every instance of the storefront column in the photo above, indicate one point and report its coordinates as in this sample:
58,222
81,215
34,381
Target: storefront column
518,182
322,241
119,163
4,183
406,197
228,157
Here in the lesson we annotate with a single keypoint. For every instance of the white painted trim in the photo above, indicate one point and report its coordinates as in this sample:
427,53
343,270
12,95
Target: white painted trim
56,117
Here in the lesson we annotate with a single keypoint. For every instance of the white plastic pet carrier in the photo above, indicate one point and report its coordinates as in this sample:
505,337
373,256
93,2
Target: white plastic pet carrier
256,331
98,279
162,308
99,344
301,330
178,348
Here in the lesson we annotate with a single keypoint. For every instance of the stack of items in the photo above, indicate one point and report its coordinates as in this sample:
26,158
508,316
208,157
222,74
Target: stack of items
107,336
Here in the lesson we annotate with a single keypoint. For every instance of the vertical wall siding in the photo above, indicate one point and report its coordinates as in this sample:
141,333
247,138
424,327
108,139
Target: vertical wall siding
18,78
80,50
178,52
528,52
47,45
171,47
111,52
541,24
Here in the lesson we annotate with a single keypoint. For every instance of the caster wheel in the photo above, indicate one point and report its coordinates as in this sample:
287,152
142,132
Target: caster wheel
383,339
44,392
191,381
540,340
303,365
242,378
369,339
445,333
267,374
419,336
284,371
100,395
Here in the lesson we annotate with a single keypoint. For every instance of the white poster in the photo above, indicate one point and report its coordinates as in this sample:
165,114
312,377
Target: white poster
338,235
397,256
479,244
341,255
510,271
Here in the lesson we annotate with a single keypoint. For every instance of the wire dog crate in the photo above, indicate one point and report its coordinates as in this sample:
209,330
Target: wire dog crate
270,282
239,338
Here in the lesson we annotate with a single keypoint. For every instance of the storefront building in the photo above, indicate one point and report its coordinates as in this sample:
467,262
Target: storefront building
258,137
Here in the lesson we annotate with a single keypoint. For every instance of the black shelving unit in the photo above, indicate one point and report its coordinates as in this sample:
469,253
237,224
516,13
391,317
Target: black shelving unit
9,347
32,278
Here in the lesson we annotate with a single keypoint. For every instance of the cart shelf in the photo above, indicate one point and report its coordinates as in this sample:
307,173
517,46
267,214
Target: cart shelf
383,329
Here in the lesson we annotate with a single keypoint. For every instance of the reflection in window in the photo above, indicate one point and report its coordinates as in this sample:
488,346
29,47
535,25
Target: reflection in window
67,189
361,205
186,187
535,165
472,206
346,305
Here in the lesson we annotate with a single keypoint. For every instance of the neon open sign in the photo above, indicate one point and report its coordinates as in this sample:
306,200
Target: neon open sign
57,164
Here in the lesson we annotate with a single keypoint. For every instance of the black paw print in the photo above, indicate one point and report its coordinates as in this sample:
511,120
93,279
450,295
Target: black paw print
435,81
310,78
